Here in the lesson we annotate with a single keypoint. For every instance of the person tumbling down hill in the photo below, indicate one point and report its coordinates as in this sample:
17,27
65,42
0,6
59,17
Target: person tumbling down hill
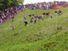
25,17
59,12
26,23
31,20
48,14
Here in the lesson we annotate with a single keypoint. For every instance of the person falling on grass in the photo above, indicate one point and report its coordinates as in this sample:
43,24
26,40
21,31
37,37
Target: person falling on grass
47,14
59,12
35,20
31,20
25,17
26,23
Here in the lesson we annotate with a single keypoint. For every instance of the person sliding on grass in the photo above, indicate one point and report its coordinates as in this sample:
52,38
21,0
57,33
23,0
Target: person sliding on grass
59,12
26,23
31,20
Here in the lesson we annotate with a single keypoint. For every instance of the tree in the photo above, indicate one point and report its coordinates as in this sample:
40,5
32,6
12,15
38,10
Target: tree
8,3
20,1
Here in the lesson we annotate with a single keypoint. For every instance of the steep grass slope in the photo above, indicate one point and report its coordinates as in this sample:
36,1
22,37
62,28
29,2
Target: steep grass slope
49,34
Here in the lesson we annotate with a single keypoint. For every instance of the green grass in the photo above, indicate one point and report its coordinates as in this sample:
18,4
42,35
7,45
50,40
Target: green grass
49,34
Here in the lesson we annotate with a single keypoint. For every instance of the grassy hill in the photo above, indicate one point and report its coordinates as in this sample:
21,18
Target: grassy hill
49,34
